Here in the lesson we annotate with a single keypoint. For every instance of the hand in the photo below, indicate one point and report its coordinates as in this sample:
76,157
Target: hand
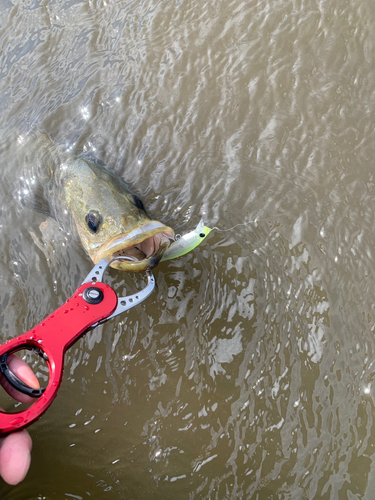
15,448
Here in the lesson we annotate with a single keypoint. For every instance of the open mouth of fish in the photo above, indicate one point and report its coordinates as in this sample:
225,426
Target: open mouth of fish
145,246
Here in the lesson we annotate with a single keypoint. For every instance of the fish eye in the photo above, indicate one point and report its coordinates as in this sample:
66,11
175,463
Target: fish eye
138,202
93,220
202,235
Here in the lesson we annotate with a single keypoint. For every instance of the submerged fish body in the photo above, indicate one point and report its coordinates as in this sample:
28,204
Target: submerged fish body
109,218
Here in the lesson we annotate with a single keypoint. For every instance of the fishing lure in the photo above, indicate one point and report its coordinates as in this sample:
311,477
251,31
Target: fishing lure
187,242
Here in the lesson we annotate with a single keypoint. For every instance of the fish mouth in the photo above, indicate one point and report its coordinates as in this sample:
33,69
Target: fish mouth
145,245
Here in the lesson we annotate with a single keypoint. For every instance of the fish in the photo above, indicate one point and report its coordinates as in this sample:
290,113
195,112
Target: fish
187,242
108,217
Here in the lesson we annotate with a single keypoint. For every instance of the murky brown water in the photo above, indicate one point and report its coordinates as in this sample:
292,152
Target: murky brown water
249,374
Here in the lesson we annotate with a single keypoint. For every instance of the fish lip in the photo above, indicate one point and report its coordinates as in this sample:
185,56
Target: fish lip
124,240
141,265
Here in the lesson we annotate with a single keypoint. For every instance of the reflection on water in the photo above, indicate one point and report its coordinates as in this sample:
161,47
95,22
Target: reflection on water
249,373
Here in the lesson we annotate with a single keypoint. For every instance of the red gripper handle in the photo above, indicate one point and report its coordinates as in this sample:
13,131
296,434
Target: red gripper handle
53,336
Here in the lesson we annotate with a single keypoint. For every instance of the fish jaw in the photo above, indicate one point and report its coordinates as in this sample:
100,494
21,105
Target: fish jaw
141,265
146,244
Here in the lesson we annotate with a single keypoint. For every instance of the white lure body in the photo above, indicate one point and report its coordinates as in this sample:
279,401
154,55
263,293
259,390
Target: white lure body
187,242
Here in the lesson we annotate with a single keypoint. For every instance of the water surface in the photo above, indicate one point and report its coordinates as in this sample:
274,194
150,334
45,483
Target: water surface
249,373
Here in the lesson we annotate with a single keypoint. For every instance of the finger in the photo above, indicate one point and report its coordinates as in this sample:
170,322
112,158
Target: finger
25,373
15,457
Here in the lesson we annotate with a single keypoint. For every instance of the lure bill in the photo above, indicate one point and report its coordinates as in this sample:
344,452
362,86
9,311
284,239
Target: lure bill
187,242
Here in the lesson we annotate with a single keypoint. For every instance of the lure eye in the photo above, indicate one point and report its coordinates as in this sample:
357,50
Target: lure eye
92,220
202,235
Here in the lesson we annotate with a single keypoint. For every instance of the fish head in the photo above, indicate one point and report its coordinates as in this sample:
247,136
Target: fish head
110,219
